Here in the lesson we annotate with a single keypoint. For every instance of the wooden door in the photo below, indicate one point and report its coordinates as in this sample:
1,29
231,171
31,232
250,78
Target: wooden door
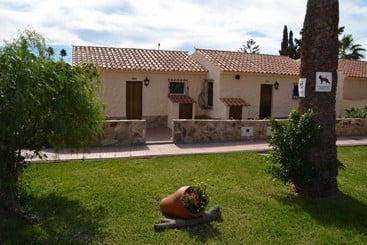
235,112
134,98
185,111
265,100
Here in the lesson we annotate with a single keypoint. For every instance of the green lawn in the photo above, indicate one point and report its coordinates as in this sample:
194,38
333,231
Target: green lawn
117,202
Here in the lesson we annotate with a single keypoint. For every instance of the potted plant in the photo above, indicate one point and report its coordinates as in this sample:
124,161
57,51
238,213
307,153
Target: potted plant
187,202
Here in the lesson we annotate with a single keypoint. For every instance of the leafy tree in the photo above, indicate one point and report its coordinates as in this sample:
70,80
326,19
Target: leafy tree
349,50
250,47
321,30
43,101
293,47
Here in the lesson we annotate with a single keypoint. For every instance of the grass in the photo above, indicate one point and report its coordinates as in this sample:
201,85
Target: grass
117,202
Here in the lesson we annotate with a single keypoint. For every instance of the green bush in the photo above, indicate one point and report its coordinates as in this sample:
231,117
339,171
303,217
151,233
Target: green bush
356,113
290,141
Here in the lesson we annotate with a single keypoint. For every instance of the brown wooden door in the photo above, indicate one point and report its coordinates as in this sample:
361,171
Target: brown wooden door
265,100
134,105
185,111
235,112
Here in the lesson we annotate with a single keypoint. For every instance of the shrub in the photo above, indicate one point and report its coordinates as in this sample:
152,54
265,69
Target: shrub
356,113
290,141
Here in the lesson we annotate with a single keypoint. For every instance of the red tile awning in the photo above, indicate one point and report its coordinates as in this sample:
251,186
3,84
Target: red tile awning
184,99
234,102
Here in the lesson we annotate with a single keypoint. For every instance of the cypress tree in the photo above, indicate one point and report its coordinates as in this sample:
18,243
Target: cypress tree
284,44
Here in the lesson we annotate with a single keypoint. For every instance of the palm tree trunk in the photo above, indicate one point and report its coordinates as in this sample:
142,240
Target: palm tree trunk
320,54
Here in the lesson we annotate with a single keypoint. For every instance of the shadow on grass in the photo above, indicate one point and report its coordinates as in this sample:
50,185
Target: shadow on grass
203,232
342,211
63,221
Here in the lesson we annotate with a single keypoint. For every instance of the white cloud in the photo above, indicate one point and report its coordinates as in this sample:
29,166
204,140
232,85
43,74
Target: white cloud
176,24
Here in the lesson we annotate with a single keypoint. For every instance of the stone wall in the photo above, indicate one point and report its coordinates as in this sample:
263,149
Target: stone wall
123,132
351,127
203,131
133,132
156,121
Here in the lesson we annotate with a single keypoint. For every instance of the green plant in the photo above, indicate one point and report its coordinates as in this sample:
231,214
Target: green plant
40,98
195,198
77,208
290,141
356,113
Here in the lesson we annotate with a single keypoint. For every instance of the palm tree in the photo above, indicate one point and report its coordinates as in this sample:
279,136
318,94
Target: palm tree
320,54
348,50
250,47
63,53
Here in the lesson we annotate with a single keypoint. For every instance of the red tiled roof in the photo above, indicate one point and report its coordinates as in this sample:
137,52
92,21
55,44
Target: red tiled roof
136,59
234,102
229,61
181,99
351,68
181,61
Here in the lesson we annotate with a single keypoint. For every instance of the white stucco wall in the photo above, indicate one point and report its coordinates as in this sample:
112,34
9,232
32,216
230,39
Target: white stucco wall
248,87
155,95
214,74
351,93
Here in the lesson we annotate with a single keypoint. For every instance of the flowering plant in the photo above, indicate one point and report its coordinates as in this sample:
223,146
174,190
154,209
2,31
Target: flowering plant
195,199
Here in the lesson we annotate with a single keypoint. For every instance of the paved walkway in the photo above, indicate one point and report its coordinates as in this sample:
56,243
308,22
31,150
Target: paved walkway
170,149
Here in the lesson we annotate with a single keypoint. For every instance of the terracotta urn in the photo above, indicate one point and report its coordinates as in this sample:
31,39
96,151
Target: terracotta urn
172,206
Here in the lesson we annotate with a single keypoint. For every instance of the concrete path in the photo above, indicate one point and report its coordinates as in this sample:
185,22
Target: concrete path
170,149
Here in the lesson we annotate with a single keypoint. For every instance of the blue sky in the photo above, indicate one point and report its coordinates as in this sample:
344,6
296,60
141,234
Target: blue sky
175,24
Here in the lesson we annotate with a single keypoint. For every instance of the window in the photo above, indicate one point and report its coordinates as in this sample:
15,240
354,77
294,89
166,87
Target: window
210,94
206,95
177,86
235,112
295,91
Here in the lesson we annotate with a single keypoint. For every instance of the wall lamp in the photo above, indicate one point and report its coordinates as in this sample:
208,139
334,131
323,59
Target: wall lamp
276,85
146,82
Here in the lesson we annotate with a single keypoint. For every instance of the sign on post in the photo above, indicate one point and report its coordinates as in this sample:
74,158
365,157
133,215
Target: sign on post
324,81
302,87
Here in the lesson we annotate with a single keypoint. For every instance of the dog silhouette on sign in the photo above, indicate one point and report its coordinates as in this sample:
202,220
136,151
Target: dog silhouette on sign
324,79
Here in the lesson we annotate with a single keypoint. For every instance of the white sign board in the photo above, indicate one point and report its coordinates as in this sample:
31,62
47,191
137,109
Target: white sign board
324,81
302,87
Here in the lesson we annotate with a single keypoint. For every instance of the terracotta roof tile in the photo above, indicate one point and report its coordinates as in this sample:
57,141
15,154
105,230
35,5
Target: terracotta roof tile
181,61
234,102
181,99
229,61
136,59
350,68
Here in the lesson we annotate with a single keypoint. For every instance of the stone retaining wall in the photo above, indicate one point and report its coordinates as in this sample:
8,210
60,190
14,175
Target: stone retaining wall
133,132
351,127
156,121
202,131
123,132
